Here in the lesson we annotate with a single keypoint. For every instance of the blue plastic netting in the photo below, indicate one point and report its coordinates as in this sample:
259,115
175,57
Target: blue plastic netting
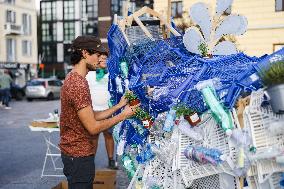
173,72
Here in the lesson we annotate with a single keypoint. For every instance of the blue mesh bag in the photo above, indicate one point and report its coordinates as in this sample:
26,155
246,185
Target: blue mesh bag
266,61
166,64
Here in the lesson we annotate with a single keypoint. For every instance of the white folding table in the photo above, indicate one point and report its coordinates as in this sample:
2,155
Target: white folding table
50,145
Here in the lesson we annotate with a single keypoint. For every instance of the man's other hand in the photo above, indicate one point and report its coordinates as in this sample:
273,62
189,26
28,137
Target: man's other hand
129,111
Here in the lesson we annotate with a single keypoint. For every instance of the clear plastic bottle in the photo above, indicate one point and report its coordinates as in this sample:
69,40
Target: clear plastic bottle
169,123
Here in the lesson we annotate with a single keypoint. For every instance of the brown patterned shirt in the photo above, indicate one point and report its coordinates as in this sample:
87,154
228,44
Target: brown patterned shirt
75,95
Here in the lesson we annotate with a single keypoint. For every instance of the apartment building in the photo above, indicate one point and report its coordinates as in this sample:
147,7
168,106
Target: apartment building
265,22
61,21
18,38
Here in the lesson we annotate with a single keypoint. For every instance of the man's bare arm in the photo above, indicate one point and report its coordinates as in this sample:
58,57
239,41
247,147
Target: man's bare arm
93,126
100,115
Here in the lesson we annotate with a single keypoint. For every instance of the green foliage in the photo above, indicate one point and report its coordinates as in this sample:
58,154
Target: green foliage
203,49
274,75
141,114
129,95
183,109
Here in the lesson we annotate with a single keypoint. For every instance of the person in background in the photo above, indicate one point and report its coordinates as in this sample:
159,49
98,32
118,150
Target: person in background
98,85
5,84
1,90
78,121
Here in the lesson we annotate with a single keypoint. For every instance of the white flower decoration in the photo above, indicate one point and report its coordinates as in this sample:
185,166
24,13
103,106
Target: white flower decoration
212,29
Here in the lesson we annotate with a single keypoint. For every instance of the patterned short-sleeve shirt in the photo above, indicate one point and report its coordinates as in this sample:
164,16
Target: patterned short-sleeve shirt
75,140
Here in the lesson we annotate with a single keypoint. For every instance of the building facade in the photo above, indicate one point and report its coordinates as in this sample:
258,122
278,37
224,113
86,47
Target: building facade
18,39
265,22
61,21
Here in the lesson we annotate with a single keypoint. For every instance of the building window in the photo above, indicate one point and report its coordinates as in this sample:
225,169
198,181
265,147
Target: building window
115,7
279,5
69,10
90,28
54,31
46,35
92,8
27,24
277,47
11,50
49,54
26,48
177,9
69,31
48,32
10,1
48,10
10,16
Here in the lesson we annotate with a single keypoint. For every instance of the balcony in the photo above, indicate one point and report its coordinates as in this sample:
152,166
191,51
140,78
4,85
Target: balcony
13,29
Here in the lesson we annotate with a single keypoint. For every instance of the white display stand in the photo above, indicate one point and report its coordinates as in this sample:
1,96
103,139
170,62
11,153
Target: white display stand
49,147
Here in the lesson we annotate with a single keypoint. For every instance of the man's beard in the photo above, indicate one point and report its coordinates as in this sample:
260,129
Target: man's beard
91,67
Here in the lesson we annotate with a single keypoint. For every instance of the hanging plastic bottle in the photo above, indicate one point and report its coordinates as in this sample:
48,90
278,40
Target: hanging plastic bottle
118,82
124,69
129,165
169,123
191,132
241,158
122,141
204,155
220,114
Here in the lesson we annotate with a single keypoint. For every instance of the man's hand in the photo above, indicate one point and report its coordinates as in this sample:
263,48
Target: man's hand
129,111
123,101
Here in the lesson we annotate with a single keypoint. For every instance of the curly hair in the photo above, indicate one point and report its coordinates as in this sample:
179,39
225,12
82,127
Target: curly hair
76,55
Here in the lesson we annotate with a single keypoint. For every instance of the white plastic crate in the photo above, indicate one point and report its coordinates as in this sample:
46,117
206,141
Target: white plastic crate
257,119
218,181
214,137
163,173
271,183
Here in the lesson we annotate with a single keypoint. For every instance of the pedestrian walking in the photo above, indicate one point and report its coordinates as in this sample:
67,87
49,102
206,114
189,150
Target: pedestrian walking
5,84
78,121
98,84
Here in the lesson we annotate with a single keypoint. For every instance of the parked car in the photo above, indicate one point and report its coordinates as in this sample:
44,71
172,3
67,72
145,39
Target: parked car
17,92
48,88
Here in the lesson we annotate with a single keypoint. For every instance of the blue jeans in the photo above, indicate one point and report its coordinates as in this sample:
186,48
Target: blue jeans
6,96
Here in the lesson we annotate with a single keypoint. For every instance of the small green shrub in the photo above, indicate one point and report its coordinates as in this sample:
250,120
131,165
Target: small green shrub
274,75
183,109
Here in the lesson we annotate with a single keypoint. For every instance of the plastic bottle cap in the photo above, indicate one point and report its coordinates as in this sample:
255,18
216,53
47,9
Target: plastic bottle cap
229,132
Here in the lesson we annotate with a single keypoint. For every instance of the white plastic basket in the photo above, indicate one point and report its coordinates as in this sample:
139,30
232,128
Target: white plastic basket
271,183
257,119
216,138
163,173
218,181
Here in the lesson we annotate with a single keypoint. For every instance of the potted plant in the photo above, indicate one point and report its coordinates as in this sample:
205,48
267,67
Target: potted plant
189,114
132,98
203,49
144,116
273,79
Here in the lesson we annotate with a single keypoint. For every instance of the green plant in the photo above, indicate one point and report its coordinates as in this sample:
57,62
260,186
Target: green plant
274,75
142,114
129,95
203,49
183,109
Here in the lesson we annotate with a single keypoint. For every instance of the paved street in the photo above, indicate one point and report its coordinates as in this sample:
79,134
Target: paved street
22,151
